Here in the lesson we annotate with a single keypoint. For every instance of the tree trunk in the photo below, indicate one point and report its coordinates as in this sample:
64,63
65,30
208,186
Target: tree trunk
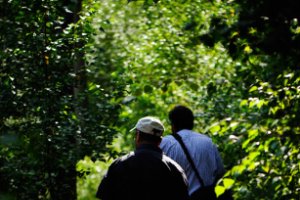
64,185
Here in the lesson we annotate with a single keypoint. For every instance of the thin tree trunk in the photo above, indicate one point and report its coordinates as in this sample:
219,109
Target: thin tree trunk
64,187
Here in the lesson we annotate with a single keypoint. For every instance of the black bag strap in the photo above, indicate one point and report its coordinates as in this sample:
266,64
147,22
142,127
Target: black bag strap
178,138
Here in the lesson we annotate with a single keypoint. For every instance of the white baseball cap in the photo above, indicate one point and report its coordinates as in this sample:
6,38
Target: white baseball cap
150,125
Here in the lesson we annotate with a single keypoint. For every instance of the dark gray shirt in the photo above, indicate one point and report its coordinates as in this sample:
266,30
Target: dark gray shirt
145,174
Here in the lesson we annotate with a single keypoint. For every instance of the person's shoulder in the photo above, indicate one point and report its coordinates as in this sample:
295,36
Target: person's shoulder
194,135
173,165
170,161
122,159
168,139
201,135
167,142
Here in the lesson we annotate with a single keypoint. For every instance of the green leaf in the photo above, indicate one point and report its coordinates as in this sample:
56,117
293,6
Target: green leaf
260,103
253,133
244,102
215,128
228,182
233,125
219,190
253,88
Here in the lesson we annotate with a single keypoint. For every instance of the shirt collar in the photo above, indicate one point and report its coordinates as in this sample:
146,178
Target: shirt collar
149,147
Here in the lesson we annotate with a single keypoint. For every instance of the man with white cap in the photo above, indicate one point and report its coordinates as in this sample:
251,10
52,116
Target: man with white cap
146,173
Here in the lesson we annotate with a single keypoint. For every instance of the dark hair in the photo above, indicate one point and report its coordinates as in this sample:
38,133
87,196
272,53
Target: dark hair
149,138
181,117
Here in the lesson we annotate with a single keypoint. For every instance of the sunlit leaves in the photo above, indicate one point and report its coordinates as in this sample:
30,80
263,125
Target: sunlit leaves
219,190
47,104
215,128
266,149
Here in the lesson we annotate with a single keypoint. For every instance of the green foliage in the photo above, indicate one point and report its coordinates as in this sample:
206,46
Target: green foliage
90,177
264,126
53,112
272,141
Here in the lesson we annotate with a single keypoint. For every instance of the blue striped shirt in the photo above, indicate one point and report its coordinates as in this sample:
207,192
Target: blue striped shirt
203,152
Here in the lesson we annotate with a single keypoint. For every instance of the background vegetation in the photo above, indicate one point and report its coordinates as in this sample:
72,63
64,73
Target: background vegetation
76,76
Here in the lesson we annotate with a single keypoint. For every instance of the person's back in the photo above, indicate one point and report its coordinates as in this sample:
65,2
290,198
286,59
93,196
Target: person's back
204,155
200,147
144,174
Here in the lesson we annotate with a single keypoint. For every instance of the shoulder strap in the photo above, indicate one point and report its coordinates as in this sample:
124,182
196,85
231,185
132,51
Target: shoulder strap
178,138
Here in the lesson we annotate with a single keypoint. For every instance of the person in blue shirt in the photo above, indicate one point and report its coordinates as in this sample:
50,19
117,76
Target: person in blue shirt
146,173
202,150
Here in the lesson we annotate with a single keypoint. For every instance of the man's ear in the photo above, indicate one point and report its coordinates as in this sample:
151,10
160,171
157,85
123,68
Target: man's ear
137,136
